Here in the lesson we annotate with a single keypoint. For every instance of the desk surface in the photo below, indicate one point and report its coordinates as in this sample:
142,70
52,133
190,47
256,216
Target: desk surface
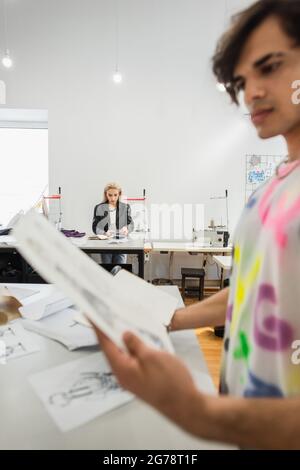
133,245
26,425
139,244
225,262
86,244
188,247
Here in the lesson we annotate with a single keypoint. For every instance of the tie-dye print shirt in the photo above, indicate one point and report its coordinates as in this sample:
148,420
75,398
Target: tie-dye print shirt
263,317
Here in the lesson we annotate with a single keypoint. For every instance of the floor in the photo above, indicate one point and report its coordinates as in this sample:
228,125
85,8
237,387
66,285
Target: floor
211,346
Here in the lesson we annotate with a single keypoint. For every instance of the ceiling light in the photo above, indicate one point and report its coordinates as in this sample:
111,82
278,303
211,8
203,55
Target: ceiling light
117,77
7,60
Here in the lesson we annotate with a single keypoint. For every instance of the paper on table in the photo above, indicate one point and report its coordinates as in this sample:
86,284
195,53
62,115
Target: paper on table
62,327
116,241
44,303
98,237
19,293
108,304
79,391
13,221
7,240
15,342
155,301
82,320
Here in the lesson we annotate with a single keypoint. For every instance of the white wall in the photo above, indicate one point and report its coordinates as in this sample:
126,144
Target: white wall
166,128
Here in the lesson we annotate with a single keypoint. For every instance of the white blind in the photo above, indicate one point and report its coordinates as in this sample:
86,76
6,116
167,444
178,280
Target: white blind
23,118
24,169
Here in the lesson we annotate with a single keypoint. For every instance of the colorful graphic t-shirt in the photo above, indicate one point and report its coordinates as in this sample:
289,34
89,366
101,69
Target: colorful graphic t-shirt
263,316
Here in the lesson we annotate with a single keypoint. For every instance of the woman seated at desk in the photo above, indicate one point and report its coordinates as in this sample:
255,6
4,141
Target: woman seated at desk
112,218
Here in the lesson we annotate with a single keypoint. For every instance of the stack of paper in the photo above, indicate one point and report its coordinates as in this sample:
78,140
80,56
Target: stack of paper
43,303
19,293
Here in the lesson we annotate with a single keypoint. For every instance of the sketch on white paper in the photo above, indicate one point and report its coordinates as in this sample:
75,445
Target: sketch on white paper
89,386
17,342
79,391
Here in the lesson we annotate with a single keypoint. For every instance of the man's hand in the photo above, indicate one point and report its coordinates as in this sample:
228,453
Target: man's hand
156,377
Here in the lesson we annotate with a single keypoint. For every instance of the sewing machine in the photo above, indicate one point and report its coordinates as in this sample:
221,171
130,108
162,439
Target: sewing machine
217,236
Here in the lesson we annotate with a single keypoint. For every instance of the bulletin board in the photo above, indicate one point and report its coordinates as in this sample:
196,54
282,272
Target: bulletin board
260,168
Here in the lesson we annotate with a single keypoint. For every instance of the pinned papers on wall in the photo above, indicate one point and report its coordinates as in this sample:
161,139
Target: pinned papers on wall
79,391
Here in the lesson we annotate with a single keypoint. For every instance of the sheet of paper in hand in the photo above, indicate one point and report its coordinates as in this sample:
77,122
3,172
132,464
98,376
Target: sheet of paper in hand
108,303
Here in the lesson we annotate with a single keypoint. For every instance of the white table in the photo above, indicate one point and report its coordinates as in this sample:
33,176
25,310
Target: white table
187,247
25,423
133,247
225,263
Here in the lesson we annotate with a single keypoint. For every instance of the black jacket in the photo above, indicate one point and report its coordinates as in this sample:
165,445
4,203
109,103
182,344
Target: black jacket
101,218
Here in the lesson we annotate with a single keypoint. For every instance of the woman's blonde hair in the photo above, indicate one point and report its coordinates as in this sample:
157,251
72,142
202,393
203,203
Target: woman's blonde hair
111,186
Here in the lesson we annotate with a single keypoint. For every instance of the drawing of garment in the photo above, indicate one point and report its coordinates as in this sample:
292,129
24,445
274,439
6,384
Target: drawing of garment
88,387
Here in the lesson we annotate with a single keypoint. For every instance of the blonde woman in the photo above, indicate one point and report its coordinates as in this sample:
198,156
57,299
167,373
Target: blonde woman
112,217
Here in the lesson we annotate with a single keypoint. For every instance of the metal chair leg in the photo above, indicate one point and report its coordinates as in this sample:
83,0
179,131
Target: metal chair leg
183,287
201,288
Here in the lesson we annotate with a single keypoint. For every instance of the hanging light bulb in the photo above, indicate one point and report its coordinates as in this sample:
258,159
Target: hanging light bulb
221,87
117,77
7,60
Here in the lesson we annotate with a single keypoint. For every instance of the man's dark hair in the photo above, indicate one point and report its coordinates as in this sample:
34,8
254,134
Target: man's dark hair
231,44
